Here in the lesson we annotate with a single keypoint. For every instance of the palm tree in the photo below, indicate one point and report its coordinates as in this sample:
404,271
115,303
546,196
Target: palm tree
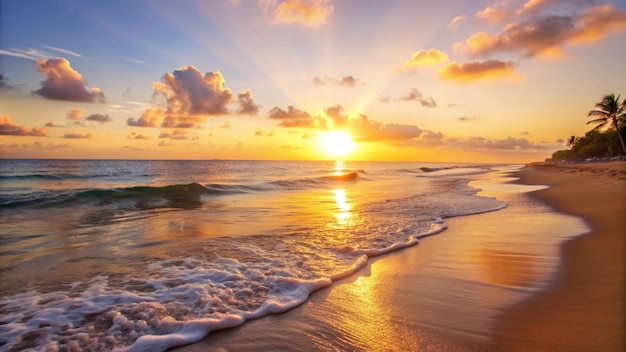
571,141
609,111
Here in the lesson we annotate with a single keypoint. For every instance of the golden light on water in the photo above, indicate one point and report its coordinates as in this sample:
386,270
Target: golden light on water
344,206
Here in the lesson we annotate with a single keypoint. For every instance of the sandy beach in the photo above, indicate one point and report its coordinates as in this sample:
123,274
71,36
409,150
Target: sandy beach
583,310
547,273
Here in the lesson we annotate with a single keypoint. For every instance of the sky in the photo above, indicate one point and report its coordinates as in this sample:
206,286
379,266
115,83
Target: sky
449,81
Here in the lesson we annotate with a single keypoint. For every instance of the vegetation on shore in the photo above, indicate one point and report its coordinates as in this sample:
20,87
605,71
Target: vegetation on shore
605,140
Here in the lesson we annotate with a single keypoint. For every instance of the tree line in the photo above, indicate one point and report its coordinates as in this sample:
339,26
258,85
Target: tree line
605,140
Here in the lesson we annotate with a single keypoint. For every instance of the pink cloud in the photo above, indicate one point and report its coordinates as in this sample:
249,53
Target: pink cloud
64,83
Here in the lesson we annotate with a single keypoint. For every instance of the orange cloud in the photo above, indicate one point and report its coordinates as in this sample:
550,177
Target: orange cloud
76,114
598,23
423,57
478,70
497,13
545,34
64,83
175,134
306,13
135,135
149,118
361,127
8,128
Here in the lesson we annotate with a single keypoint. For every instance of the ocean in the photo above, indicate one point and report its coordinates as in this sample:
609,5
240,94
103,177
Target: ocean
102,255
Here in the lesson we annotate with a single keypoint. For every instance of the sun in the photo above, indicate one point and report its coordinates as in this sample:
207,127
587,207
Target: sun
337,143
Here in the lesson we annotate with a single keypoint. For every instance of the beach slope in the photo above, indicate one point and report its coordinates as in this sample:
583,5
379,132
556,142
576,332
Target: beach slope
584,309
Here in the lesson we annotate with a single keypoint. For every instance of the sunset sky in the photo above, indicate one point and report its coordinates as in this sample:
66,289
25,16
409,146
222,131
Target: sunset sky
454,80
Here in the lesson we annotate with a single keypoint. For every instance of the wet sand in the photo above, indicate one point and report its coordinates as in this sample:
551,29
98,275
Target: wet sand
584,309
524,278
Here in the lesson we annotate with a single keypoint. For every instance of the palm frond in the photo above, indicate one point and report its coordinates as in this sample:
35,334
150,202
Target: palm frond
598,112
601,123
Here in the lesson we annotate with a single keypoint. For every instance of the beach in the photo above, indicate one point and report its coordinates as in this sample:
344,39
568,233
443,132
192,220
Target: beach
584,308
546,273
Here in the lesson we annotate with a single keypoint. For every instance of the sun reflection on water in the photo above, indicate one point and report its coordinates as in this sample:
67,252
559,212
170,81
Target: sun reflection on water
339,167
344,207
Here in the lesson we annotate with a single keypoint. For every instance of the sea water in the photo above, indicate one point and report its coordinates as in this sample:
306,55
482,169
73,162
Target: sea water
147,255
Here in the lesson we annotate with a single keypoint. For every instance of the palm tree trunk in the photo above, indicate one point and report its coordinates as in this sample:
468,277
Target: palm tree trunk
619,135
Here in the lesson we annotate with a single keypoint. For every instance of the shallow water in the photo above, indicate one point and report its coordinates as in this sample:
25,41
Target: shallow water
444,295
144,255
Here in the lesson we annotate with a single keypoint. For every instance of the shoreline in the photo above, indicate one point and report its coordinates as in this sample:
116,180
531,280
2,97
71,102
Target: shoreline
466,289
583,309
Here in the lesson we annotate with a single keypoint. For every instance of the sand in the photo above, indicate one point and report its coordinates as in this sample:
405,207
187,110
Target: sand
526,278
584,309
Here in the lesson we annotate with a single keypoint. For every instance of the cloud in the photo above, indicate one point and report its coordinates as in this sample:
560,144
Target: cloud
136,61
415,95
63,51
175,135
478,70
306,13
245,100
149,118
367,130
51,124
361,127
509,143
76,114
364,129
191,99
77,135
192,96
100,118
4,83
293,117
598,23
135,135
454,24
496,13
546,34
29,53
505,10
465,118
64,83
261,132
8,128
421,58
348,81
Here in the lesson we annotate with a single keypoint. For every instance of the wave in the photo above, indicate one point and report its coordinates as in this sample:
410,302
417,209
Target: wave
176,195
